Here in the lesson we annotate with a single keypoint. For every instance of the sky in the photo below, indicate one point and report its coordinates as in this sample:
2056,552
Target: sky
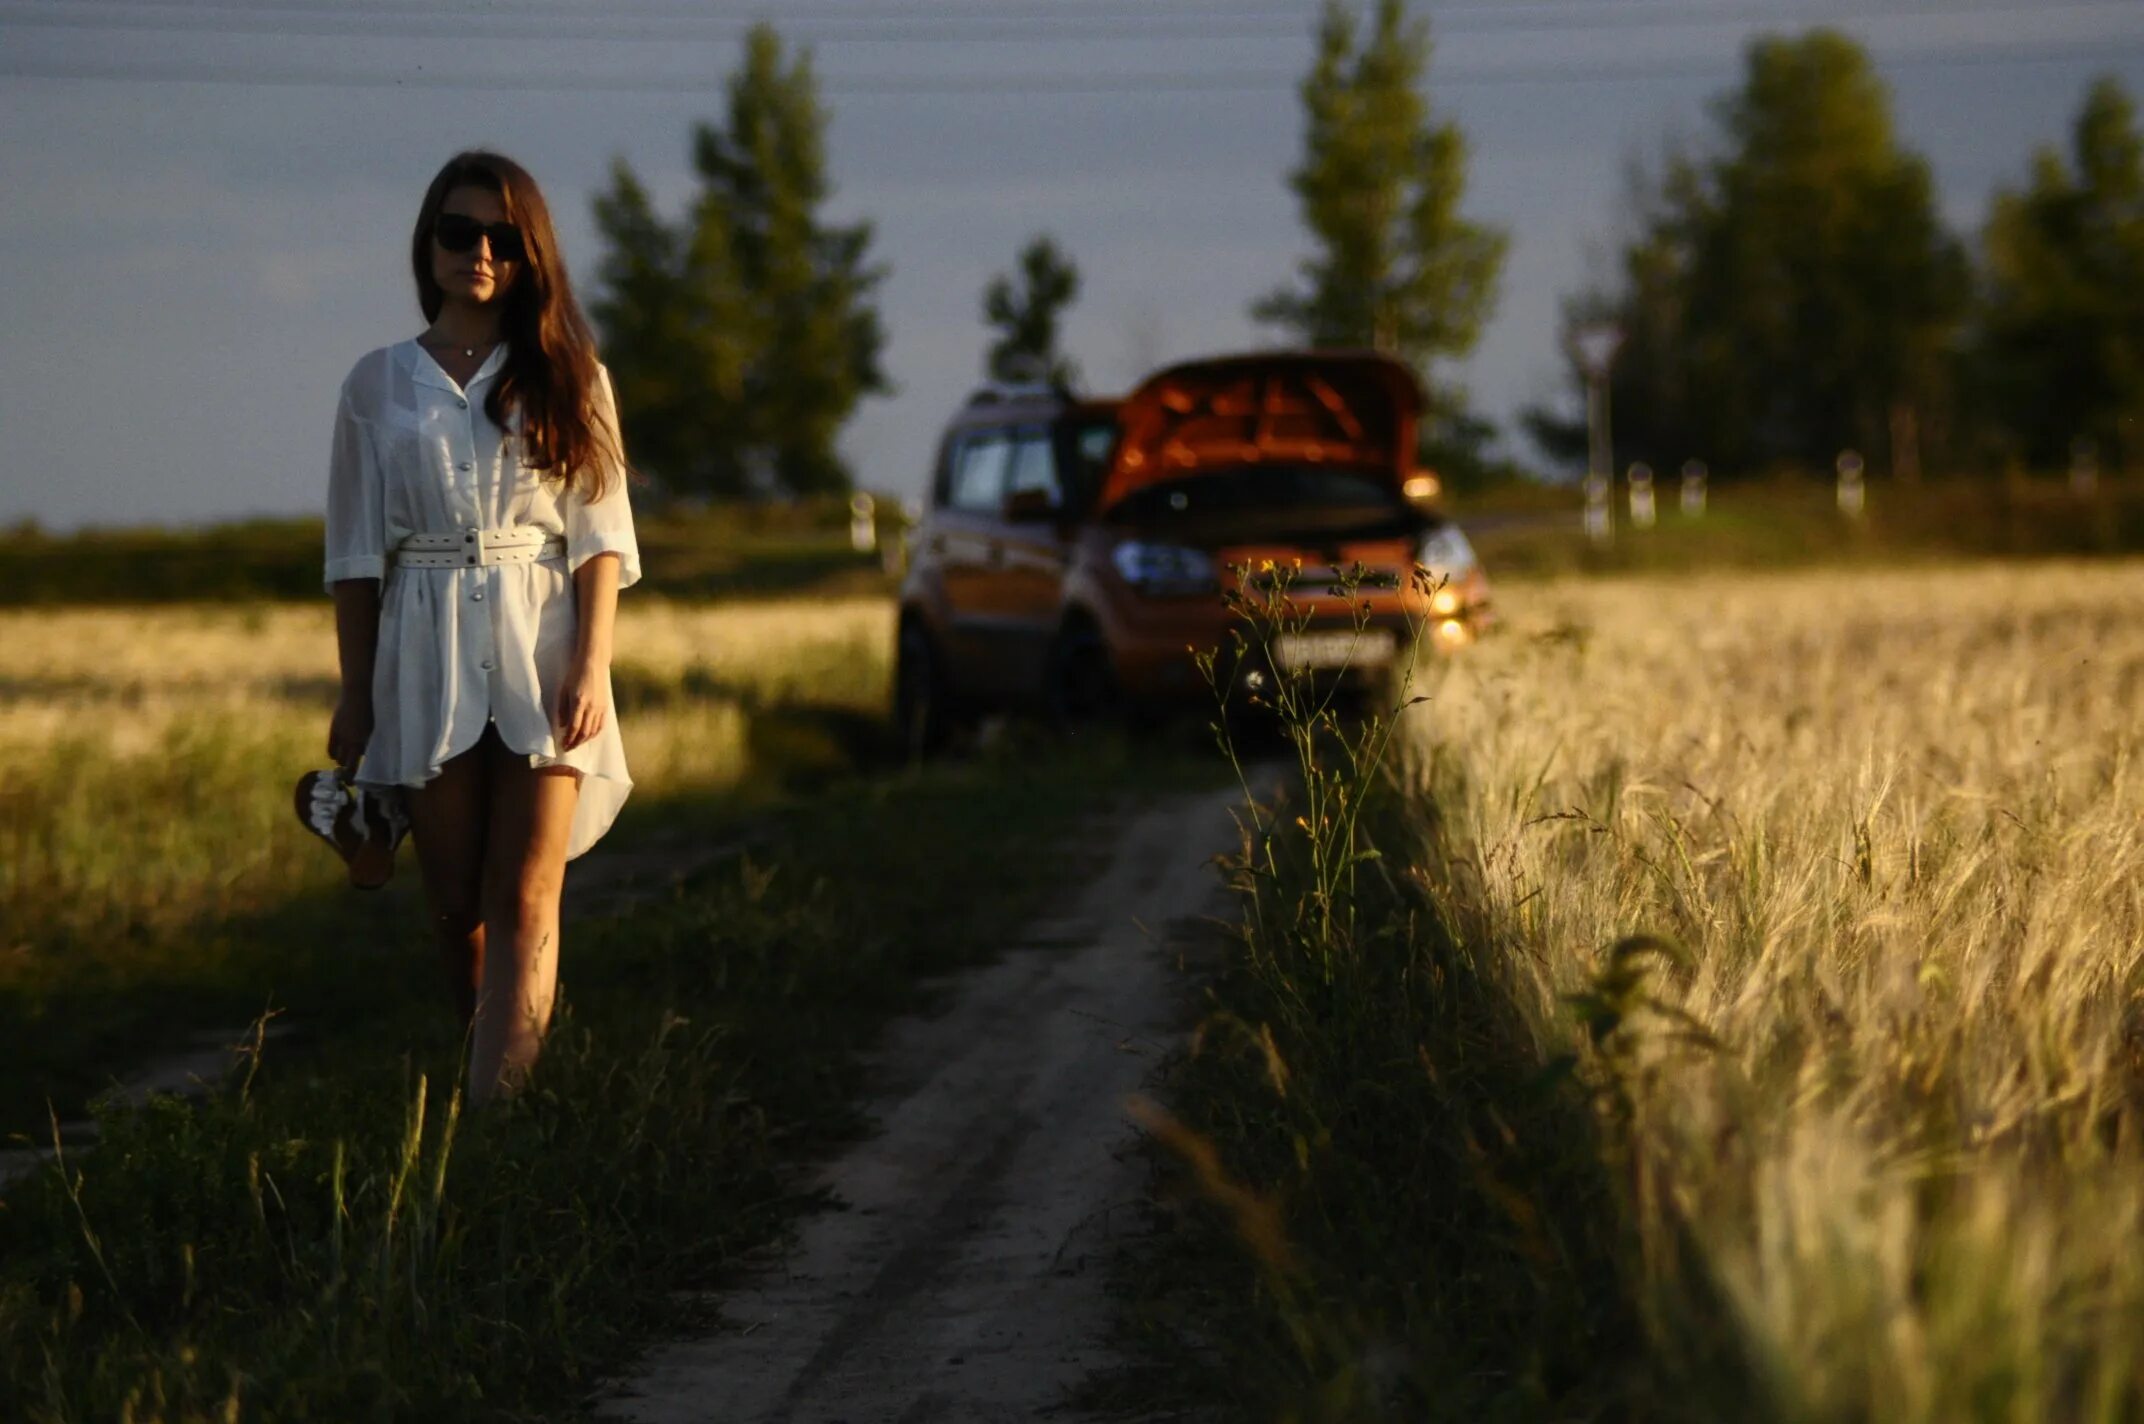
205,207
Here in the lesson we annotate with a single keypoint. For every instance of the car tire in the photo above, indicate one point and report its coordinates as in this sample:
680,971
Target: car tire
924,716
1081,690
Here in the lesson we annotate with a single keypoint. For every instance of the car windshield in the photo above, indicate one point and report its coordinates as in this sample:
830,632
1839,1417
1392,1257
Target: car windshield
1272,502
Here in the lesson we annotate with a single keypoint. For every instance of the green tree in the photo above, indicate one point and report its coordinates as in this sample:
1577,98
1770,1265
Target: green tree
2062,349
1396,267
1025,311
744,335
1796,293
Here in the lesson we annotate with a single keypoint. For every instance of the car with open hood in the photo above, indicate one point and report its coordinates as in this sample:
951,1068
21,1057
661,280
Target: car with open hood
1076,553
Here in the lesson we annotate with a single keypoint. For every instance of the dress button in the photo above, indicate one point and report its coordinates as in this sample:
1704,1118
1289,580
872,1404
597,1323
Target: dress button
478,595
463,404
486,665
467,466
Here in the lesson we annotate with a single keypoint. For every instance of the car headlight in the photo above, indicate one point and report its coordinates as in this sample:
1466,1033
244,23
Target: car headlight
1163,568
1446,553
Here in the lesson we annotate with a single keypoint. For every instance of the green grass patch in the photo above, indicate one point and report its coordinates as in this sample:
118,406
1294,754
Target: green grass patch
1378,1200
1793,522
152,892
728,551
331,1237
1375,1199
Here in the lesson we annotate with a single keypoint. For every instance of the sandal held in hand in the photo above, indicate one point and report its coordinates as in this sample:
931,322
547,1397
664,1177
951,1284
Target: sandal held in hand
363,824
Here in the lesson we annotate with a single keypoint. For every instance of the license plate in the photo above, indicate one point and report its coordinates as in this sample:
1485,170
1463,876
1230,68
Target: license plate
1342,648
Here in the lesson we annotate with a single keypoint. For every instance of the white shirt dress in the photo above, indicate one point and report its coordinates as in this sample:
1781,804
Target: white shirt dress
462,648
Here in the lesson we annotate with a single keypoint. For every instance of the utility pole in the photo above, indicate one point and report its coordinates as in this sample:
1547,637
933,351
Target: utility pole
1594,347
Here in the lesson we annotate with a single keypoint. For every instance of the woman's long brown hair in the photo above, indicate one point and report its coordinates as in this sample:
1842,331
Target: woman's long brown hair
551,374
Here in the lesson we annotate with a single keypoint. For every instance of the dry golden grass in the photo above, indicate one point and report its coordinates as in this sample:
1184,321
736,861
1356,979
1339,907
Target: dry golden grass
1895,823
123,729
221,649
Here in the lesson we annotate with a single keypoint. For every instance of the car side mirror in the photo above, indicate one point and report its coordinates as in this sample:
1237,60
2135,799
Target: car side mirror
1030,506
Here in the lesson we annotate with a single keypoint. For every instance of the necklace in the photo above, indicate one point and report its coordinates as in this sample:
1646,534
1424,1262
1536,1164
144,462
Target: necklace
469,351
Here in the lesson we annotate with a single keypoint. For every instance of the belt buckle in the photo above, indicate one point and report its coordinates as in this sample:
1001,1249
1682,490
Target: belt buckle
475,540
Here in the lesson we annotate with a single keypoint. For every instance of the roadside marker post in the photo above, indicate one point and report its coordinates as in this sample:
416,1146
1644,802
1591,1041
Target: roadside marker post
1853,493
863,522
1640,479
1600,520
1693,488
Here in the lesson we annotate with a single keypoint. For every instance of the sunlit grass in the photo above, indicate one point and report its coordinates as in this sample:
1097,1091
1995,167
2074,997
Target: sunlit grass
1883,1085
147,757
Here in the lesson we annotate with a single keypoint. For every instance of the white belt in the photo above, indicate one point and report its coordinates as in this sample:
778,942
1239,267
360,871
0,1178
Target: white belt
475,548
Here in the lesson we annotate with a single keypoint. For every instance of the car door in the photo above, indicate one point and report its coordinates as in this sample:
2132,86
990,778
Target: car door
1033,557
965,545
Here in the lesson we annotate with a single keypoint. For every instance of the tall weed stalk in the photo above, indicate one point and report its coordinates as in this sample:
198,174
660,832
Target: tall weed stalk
1393,1210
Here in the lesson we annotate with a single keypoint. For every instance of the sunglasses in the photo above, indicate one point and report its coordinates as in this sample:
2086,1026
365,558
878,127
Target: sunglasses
457,233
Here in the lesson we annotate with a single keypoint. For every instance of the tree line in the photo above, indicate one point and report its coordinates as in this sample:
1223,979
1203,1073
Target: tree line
1786,289
1790,291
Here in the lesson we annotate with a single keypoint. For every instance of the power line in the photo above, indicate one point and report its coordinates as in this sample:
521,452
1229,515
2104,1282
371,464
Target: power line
869,85
784,13
1040,11
434,24
416,19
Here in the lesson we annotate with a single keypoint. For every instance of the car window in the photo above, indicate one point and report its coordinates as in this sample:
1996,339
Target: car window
1088,446
979,472
1034,466
1094,441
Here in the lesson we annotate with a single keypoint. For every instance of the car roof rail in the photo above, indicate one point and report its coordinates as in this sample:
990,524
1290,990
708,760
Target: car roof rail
1005,392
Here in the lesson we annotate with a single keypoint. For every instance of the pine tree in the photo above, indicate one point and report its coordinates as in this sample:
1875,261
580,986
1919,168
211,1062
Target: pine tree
1796,293
2062,350
1025,310
1397,267
744,336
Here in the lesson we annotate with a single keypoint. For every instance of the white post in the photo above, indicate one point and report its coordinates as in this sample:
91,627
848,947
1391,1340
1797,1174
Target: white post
1600,475
863,522
1693,488
1640,479
1853,494
1600,516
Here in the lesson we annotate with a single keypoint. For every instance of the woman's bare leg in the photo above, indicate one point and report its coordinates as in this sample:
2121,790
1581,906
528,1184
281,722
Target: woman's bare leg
524,871
448,818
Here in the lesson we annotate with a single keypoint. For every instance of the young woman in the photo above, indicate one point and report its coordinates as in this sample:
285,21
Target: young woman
477,536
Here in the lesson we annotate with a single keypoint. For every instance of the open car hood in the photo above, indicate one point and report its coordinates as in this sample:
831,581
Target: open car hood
1356,408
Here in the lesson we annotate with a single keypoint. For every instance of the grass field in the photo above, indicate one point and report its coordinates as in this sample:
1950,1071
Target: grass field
1524,530
767,551
1881,1089
1724,998
146,760
1534,531
1745,1019
328,1235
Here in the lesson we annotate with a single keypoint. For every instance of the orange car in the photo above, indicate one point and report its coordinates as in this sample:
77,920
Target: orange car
1075,550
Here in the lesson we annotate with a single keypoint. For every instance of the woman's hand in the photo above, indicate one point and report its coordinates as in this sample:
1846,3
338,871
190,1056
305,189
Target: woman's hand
350,730
583,704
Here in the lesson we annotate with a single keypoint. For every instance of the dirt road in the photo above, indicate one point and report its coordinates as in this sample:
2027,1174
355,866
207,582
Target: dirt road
965,1280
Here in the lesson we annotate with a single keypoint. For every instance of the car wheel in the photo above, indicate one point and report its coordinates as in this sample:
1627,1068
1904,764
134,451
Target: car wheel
922,705
1082,690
